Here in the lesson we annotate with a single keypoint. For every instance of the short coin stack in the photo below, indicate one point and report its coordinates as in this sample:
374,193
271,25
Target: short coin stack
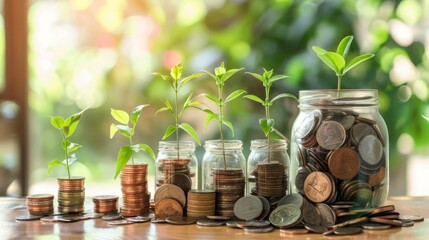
271,180
71,195
40,204
169,201
201,203
105,204
170,167
229,185
135,195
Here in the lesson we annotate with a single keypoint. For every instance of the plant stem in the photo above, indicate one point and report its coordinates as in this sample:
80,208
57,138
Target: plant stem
267,116
339,86
176,117
131,145
63,135
220,86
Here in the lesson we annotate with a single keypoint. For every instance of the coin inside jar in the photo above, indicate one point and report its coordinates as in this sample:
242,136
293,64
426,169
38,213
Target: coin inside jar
330,135
344,163
318,187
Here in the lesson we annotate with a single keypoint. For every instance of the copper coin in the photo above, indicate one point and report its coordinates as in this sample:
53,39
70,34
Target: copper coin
344,163
180,220
181,180
170,191
168,207
386,221
330,135
377,178
318,187
293,231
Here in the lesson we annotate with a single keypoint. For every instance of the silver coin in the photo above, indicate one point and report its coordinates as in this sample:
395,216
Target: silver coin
253,223
158,221
307,124
370,149
27,217
210,223
248,207
258,229
407,222
415,218
139,219
94,215
72,218
315,228
348,230
293,198
375,226
111,217
119,222
232,224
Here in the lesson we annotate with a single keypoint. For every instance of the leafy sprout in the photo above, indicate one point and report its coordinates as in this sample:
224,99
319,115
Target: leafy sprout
127,151
336,60
66,127
267,123
177,82
221,75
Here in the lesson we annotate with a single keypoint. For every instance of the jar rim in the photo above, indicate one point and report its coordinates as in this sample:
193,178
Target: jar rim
230,144
263,144
335,98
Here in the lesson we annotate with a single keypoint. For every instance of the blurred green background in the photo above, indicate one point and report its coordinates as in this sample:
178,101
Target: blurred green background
101,53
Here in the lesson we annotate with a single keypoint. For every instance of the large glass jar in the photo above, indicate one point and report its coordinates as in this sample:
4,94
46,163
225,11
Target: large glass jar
340,148
224,171
177,164
268,168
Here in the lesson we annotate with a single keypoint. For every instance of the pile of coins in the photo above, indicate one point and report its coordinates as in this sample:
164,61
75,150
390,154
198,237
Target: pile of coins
271,179
170,200
106,204
252,208
341,157
40,204
229,185
201,203
135,196
173,170
71,195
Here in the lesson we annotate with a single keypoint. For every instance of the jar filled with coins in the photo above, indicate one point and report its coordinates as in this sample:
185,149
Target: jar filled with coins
340,148
177,164
268,168
224,171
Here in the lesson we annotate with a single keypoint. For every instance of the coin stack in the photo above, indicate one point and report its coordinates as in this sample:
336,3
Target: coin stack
229,185
105,204
271,180
171,167
135,195
201,203
170,200
341,157
40,204
71,195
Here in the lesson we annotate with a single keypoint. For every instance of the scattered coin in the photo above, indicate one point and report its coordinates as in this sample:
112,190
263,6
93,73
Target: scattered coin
111,217
155,220
232,224
348,231
180,220
386,221
415,218
286,215
51,218
119,222
294,231
375,226
258,229
214,217
316,228
252,223
210,223
139,219
94,215
407,222
27,217
248,208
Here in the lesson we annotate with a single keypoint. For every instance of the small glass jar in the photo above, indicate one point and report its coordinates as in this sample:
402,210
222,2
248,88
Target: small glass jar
268,168
177,164
340,148
224,171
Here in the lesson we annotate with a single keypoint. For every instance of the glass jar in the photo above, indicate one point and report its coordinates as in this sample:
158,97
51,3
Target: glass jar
177,164
224,171
268,168
340,148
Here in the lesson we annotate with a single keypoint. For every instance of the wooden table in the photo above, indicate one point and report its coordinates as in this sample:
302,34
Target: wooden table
98,229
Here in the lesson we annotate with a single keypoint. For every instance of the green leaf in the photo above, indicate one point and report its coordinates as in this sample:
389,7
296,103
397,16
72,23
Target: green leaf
113,130
145,148
255,98
257,76
333,61
267,74
210,116
72,147
168,105
344,46
120,116
170,130
229,125
211,98
187,102
229,74
189,78
283,95
65,144
278,77
163,109
125,130
164,77
220,71
53,164
319,50
57,122
71,160
176,71
136,113
266,125
234,95
124,155
355,61
70,124
214,77
191,131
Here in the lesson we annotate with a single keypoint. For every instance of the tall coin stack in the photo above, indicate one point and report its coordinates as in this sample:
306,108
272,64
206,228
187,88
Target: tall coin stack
40,204
170,168
201,203
71,195
105,204
271,180
229,185
135,195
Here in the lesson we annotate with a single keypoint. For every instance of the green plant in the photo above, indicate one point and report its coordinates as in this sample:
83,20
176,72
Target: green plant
336,60
176,82
66,127
221,75
127,151
267,123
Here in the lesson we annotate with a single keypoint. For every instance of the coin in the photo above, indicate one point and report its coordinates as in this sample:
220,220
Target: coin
375,226
210,223
158,221
330,135
135,197
386,221
27,217
407,222
139,219
286,215
348,231
415,218
266,208
181,180
170,191
293,231
248,208
258,229
252,223
94,215
316,228
228,189
311,215
225,218
119,222
50,219
307,125
293,198
327,215
318,187
344,163
370,149
168,207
